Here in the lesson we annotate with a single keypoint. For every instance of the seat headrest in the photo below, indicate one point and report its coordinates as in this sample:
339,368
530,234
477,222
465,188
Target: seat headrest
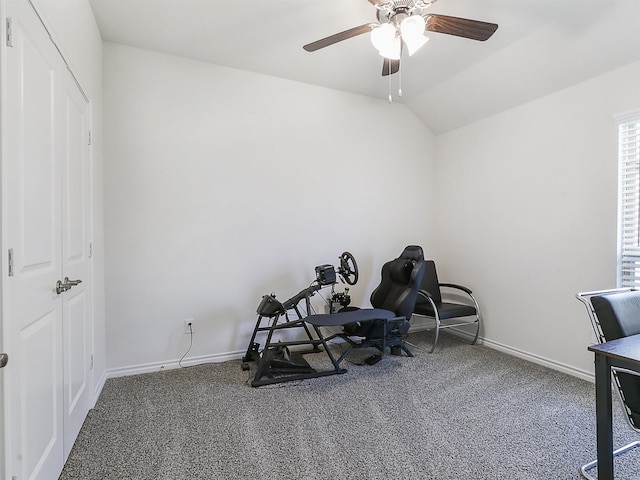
400,270
412,252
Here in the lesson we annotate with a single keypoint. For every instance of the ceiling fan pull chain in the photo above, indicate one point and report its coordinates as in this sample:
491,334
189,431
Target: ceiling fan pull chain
389,77
400,80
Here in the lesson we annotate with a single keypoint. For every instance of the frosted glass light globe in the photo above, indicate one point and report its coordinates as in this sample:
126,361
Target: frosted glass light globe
412,30
386,40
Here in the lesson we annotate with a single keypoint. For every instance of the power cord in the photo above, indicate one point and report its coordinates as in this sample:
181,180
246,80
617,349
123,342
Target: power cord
190,345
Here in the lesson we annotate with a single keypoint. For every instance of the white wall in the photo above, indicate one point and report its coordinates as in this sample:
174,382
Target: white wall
527,215
223,185
74,29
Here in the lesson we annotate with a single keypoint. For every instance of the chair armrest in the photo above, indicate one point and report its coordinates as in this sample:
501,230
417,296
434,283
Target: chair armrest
465,290
459,287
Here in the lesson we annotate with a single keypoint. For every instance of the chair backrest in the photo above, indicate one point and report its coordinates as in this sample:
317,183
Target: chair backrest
619,316
430,281
401,279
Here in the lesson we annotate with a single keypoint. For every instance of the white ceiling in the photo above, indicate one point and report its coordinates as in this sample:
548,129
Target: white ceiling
540,47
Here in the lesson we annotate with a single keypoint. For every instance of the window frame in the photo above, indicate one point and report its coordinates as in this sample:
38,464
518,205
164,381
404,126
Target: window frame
628,254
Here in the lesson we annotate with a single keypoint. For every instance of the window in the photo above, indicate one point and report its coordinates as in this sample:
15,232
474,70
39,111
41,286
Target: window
629,200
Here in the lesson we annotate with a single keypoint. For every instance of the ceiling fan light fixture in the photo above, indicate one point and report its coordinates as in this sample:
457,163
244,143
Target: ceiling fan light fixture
412,30
392,49
392,53
415,44
385,38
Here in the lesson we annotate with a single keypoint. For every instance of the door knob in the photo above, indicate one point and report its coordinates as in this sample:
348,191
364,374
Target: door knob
61,287
66,285
4,359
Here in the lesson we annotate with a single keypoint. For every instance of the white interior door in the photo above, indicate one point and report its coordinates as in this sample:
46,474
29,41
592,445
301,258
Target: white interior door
32,320
76,302
45,218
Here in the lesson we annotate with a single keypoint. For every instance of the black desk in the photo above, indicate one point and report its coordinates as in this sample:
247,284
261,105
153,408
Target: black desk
624,353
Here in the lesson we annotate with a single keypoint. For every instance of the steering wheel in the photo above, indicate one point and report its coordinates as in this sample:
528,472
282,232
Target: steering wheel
348,268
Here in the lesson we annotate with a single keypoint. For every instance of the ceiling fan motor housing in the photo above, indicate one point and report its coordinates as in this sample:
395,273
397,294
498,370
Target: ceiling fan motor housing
397,10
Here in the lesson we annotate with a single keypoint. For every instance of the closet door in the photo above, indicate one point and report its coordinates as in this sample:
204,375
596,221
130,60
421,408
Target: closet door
32,320
45,223
75,220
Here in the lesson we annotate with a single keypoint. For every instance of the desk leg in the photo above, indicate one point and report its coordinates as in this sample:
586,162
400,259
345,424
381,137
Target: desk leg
604,428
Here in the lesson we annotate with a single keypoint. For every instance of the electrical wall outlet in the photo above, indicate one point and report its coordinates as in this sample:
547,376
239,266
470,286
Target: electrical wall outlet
188,326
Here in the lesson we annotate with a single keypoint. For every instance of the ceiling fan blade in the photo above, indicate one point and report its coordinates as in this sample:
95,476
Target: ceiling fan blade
461,27
338,37
389,67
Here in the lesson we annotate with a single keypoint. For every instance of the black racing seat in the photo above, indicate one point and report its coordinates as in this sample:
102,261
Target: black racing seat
393,301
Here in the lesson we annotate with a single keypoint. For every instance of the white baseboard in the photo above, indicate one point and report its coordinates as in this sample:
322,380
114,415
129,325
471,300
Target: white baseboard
531,357
223,357
546,362
171,364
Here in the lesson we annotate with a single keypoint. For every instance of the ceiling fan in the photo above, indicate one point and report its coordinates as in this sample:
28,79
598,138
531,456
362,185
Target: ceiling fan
401,25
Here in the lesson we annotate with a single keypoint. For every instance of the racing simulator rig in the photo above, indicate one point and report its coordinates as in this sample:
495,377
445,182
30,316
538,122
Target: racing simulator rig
380,327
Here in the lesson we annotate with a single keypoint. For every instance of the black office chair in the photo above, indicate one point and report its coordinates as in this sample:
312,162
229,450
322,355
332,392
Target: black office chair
616,314
393,301
445,314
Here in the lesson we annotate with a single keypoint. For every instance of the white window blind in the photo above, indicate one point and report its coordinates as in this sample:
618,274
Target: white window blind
629,200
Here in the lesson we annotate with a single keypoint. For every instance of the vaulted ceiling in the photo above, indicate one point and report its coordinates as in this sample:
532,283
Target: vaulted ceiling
541,46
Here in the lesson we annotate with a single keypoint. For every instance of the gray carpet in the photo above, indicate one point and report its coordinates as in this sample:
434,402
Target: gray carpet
463,412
